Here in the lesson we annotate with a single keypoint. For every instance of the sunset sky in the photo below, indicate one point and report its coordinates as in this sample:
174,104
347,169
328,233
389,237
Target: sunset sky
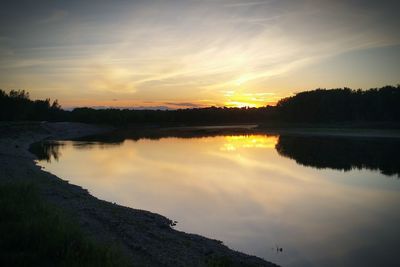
191,53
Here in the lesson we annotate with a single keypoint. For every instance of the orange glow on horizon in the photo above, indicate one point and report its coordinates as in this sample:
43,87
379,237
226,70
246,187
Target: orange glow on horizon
233,101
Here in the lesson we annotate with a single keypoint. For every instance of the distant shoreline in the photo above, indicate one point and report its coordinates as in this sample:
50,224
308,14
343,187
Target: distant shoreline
333,130
336,132
339,130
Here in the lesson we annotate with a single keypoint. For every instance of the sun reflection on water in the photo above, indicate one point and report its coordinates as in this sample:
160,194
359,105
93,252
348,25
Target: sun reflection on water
233,143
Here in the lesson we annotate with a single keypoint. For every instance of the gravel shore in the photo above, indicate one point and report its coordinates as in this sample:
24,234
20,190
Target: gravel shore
148,239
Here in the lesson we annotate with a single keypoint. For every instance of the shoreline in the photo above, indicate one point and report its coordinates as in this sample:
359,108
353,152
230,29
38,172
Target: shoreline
335,132
146,238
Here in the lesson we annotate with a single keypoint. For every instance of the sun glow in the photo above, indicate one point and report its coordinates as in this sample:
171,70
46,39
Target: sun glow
253,100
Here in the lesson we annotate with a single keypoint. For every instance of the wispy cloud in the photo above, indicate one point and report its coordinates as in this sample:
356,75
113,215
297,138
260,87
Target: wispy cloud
184,104
246,4
54,16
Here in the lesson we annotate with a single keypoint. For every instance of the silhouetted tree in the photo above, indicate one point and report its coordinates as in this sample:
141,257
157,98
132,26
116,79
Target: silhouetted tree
16,106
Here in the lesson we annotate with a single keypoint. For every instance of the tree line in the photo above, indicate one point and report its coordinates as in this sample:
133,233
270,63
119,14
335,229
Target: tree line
316,106
341,105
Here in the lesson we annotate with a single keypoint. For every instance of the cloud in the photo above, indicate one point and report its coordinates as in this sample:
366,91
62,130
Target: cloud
55,16
184,104
132,107
247,4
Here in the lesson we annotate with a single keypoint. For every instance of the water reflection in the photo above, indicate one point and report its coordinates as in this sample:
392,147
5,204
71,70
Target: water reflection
240,190
340,153
46,150
233,143
343,153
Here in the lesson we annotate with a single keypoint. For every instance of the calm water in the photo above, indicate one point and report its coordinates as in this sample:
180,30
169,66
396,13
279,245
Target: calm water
325,201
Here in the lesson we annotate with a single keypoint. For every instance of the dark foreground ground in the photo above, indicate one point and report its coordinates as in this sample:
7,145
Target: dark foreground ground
103,233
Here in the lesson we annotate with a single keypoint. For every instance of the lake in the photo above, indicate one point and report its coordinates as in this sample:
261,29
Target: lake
325,201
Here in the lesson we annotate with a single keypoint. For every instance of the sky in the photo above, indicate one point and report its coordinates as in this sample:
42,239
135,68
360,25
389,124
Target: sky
188,53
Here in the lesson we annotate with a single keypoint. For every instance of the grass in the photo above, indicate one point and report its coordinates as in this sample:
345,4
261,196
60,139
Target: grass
218,261
35,233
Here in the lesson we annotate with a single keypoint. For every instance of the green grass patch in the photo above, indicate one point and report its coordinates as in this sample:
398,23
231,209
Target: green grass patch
35,233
